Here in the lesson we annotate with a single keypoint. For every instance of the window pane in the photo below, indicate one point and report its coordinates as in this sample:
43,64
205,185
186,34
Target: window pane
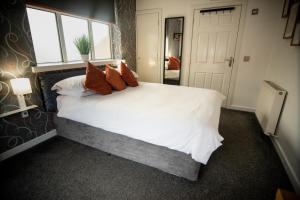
44,35
73,28
101,38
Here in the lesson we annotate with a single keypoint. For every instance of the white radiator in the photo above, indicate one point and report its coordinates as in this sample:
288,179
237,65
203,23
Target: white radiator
269,105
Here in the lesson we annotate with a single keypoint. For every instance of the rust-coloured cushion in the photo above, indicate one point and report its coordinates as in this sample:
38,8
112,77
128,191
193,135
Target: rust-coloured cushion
173,64
128,76
95,80
114,78
176,59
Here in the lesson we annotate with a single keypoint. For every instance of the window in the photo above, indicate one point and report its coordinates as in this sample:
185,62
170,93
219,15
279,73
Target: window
53,36
44,36
73,28
101,38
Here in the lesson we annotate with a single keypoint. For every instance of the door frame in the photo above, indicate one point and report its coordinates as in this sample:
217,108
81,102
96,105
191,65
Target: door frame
243,4
150,11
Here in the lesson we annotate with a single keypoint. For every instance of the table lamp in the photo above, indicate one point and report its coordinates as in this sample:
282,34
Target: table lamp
21,86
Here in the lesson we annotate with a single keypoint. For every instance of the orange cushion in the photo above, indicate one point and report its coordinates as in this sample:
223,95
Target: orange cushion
173,64
114,78
176,59
95,80
128,76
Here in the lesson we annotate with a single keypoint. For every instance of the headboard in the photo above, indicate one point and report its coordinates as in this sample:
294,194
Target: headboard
48,79
51,74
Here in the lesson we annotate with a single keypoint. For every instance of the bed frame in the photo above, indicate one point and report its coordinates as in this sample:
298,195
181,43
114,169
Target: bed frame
165,159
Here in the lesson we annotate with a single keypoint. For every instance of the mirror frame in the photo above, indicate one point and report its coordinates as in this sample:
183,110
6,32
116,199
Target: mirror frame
164,56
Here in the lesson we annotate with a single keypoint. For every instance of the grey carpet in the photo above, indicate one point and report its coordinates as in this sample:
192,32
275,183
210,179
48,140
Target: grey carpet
245,167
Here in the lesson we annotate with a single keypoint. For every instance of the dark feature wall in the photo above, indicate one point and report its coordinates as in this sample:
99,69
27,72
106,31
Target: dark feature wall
124,32
125,20
17,55
94,9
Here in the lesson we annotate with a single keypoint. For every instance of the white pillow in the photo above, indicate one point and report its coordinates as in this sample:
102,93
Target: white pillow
118,70
72,83
72,86
133,72
75,93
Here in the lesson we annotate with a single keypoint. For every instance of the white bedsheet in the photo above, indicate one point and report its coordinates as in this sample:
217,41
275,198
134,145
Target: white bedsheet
181,118
172,74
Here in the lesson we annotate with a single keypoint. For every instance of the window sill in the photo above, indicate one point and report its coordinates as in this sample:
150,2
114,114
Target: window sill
70,65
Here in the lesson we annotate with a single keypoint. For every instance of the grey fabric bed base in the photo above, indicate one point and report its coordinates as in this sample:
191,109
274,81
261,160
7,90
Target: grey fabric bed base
167,160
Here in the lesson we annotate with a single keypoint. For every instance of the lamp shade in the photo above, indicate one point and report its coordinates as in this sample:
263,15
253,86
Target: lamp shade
21,86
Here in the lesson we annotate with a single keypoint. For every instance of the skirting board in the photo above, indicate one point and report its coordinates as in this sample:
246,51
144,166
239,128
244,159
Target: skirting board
287,165
27,145
241,108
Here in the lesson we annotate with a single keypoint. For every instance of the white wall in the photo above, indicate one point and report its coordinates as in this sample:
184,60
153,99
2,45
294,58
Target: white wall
284,69
272,58
173,8
257,43
255,30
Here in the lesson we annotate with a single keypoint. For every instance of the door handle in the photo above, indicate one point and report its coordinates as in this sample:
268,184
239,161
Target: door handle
230,60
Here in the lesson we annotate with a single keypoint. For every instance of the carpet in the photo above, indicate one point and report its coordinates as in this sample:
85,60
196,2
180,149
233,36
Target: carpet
245,167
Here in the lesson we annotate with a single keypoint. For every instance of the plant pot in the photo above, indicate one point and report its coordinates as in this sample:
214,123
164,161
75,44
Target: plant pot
85,57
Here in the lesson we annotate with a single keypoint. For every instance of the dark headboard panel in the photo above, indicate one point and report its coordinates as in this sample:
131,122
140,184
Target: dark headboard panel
48,79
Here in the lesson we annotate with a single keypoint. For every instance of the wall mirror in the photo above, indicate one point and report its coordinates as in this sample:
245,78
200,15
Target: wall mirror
173,50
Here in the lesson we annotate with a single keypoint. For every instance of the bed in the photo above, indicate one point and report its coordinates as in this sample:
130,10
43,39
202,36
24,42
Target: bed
171,128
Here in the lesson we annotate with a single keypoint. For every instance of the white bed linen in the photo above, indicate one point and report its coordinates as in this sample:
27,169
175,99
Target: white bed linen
172,74
181,118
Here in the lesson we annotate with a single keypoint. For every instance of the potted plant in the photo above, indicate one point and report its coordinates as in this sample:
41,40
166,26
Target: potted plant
83,45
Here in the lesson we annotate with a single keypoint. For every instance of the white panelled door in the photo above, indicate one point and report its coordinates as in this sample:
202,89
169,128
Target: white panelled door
148,45
213,46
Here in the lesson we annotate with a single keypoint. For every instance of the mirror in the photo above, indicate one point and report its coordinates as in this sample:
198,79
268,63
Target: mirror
173,50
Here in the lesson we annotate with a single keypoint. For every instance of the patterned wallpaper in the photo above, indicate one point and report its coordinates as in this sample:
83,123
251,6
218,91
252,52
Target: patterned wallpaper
116,36
125,20
17,55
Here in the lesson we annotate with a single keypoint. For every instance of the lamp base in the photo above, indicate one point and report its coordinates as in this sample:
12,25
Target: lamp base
22,104
21,101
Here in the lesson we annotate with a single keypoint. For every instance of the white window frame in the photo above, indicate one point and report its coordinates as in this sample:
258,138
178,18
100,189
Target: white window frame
62,45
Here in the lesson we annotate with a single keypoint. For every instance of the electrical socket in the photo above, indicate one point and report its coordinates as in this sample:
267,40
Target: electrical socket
24,114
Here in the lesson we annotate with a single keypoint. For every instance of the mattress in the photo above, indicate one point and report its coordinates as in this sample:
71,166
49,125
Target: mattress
180,118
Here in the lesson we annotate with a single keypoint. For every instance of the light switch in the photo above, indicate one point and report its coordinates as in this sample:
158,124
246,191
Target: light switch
246,58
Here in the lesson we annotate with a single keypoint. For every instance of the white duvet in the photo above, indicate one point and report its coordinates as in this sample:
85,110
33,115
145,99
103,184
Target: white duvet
181,118
172,74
